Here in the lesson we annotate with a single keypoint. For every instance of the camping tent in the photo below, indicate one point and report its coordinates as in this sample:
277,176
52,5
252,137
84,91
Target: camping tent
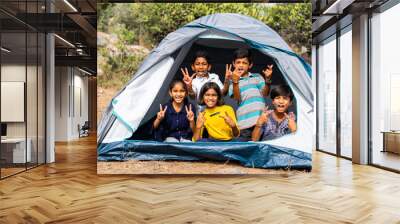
122,131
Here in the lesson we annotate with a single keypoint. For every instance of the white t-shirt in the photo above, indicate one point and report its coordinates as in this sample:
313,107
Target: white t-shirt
198,82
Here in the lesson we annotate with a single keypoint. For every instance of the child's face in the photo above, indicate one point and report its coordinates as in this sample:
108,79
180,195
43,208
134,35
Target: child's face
242,65
201,66
210,98
178,93
281,103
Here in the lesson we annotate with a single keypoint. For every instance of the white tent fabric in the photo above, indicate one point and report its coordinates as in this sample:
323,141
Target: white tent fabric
130,106
141,92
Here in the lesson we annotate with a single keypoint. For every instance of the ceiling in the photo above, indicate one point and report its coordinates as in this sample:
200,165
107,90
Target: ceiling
74,22
328,15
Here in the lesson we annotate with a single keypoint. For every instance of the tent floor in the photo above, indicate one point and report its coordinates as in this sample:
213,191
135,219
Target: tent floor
181,167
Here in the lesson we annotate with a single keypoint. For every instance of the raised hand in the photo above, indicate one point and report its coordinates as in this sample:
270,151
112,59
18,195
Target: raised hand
228,120
189,113
200,120
228,72
187,79
236,75
291,121
268,72
161,113
264,116
291,116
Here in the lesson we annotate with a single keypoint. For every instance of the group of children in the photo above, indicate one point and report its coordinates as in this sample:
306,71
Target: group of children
253,121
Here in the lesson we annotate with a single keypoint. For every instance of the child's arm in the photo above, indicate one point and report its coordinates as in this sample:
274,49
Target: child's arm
292,122
160,117
226,88
232,124
235,81
199,125
190,117
256,134
190,91
228,77
265,90
268,77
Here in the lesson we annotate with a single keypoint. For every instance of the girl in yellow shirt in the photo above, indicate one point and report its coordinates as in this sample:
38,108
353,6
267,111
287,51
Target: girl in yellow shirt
218,121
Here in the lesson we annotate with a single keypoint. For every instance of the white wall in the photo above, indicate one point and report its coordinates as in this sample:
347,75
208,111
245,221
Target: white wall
12,73
71,87
314,88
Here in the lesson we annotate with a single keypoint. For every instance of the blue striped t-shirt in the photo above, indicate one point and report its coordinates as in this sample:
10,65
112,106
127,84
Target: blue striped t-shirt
252,101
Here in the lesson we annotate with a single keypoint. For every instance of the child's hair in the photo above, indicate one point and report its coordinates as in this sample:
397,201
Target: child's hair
206,87
201,54
176,81
242,53
282,90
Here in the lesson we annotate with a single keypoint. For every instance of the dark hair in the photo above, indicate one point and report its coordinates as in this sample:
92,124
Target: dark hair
242,53
206,87
176,81
201,54
282,90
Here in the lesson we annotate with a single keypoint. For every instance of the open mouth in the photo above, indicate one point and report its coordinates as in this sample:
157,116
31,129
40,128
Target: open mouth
280,107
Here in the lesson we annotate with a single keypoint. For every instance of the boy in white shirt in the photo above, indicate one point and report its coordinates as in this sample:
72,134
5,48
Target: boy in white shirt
201,75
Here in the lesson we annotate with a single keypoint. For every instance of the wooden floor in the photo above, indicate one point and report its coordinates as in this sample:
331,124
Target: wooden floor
70,191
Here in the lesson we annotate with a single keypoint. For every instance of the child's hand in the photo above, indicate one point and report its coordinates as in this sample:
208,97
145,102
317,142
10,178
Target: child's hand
290,116
264,117
291,121
161,114
187,79
228,72
228,120
268,72
189,113
236,76
200,120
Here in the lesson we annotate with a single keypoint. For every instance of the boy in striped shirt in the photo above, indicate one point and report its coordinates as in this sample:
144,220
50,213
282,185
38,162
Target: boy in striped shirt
249,89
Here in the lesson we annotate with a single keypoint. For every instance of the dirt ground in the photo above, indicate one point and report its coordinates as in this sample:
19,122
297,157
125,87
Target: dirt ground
104,96
175,167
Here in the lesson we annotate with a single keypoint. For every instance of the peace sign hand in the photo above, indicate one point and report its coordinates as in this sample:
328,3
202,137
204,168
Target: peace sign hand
228,72
228,120
264,116
268,72
161,113
291,121
291,116
200,120
189,113
187,79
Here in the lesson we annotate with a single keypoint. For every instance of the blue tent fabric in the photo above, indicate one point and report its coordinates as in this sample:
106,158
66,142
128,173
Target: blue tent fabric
248,154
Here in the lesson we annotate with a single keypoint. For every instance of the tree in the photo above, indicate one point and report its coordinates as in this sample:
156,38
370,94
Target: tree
148,23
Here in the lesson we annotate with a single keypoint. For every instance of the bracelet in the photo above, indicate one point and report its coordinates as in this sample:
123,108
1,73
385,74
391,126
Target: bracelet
235,82
268,81
259,125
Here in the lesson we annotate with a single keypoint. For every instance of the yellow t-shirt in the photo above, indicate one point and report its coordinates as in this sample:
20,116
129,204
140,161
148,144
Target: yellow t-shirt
216,126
